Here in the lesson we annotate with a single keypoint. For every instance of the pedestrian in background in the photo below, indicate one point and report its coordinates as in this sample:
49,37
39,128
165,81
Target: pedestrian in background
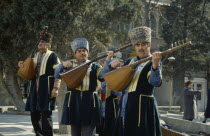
190,102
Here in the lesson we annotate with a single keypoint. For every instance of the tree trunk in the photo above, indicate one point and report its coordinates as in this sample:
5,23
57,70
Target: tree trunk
178,83
147,13
5,97
148,20
13,89
208,74
181,70
60,100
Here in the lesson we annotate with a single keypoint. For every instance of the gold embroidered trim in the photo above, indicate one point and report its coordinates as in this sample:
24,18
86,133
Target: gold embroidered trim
114,107
36,57
86,81
133,84
94,102
44,63
37,84
69,100
30,87
98,71
108,92
148,74
139,121
56,65
49,83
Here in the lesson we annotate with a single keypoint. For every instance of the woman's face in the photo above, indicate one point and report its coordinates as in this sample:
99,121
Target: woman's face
190,86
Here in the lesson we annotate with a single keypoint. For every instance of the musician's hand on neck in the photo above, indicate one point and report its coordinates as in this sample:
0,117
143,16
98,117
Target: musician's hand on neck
115,63
67,64
20,64
54,93
156,58
110,55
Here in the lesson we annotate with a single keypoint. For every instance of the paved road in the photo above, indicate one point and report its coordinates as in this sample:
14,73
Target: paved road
180,116
20,125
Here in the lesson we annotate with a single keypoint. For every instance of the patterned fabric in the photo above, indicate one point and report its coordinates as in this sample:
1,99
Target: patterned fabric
140,34
80,43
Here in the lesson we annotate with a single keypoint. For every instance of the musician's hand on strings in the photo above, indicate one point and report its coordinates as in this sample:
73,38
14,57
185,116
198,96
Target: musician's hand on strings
156,58
20,64
56,87
118,97
115,63
99,90
110,55
54,93
67,64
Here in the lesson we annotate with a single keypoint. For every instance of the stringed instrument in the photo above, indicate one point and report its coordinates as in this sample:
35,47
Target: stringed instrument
28,71
117,80
74,77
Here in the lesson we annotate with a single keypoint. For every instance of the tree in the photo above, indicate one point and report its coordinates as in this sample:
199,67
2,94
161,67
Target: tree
186,21
21,22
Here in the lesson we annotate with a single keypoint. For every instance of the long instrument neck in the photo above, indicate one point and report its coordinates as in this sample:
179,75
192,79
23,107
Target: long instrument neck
35,48
103,56
98,58
135,64
45,28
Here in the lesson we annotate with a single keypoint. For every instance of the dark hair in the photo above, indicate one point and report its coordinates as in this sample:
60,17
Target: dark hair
47,37
188,83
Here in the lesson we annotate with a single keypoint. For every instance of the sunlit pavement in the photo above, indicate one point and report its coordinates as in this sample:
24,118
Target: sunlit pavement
20,125
180,116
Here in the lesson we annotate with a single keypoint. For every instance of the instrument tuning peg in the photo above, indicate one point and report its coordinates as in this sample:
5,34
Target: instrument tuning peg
179,42
186,39
175,44
182,41
45,27
172,45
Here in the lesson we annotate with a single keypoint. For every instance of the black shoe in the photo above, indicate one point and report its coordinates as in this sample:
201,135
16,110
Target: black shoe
204,122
